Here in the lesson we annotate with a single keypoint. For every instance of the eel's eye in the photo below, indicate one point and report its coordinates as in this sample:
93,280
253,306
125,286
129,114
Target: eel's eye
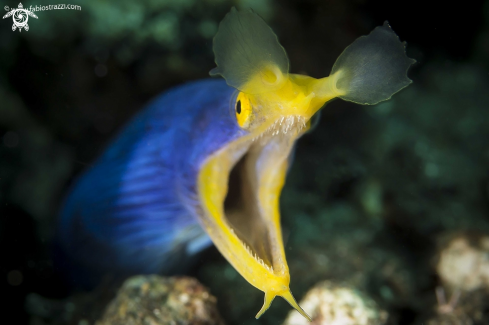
243,110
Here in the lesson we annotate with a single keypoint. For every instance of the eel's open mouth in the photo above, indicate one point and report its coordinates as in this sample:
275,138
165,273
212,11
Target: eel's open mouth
242,209
254,185
252,171
239,189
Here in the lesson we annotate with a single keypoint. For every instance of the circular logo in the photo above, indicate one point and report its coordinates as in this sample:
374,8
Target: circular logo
20,18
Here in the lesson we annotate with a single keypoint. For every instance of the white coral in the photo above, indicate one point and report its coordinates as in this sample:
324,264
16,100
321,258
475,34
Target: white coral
463,265
330,304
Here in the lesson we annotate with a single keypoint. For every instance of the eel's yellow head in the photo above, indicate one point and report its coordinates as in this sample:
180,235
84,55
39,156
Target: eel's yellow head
279,101
239,185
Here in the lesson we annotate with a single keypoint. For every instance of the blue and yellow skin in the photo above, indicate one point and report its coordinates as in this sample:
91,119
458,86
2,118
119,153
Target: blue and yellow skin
210,157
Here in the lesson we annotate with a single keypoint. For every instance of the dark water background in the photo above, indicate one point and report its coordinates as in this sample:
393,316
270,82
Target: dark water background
370,187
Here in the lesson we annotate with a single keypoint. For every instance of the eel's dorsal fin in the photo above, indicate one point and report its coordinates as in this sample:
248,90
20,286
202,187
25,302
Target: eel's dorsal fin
248,54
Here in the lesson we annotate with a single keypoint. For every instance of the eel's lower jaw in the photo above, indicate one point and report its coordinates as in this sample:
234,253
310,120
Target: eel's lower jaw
251,205
239,189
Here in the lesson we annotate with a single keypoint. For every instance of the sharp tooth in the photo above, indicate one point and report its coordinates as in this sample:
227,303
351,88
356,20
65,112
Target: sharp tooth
253,254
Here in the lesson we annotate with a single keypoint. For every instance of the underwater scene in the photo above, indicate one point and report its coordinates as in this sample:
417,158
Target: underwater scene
239,162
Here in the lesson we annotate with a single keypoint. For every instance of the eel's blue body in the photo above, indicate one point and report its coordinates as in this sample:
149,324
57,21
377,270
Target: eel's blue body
134,211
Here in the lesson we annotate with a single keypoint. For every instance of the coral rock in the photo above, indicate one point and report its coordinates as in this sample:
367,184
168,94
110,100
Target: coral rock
331,304
463,263
154,300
